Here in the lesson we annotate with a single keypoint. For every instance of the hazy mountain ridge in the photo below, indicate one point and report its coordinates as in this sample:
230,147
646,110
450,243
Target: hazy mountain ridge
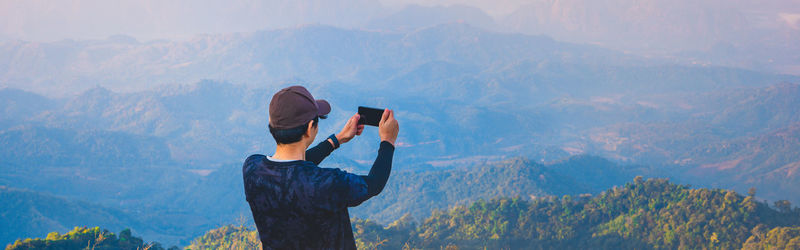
31,213
314,53
739,33
415,16
767,161
587,20
36,146
747,34
464,96
741,136
620,126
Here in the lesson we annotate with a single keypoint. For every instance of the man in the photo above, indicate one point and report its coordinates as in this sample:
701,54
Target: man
295,203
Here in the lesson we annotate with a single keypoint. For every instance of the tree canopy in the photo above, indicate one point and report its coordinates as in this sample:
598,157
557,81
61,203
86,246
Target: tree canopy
643,214
87,238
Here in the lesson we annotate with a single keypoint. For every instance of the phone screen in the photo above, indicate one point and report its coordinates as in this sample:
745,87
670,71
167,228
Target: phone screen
369,116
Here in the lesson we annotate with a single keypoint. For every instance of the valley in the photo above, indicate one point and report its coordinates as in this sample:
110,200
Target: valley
156,131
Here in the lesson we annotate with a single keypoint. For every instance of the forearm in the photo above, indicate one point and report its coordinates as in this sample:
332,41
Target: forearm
381,169
319,152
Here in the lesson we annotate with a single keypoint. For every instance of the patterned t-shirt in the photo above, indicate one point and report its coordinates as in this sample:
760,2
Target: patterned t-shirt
298,205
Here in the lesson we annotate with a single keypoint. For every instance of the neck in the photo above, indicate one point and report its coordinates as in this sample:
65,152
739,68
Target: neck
294,151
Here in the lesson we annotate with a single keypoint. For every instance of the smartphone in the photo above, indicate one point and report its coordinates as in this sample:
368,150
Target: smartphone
369,116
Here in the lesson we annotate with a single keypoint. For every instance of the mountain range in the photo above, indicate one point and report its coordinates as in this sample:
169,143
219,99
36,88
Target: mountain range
147,128
738,33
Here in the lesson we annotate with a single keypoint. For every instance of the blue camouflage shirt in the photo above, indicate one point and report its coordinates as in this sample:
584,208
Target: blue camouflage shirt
298,205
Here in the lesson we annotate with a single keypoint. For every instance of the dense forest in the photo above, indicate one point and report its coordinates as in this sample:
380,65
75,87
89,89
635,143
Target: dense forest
420,193
88,238
642,214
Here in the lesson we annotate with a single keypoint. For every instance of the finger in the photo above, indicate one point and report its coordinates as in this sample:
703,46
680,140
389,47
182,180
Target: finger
351,123
391,114
385,115
359,129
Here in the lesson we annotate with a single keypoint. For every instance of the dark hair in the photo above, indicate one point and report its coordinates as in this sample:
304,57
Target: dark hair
291,135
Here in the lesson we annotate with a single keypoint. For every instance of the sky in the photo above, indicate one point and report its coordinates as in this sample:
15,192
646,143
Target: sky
46,20
52,20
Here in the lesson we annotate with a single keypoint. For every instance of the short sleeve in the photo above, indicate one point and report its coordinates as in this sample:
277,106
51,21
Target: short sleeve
348,189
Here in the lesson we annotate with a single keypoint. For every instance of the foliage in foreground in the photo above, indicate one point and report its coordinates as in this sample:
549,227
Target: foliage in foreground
228,237
87,238
777,238
642,214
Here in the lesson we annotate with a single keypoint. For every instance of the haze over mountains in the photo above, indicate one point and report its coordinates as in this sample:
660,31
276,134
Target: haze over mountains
151,134
465,95
741,33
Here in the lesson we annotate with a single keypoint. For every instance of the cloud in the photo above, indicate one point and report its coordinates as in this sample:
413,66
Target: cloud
791,19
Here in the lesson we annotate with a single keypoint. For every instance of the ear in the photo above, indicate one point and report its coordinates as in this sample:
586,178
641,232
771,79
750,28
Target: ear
310,129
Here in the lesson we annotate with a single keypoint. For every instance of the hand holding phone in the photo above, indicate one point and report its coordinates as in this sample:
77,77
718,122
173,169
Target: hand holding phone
381,118
388,127
351,129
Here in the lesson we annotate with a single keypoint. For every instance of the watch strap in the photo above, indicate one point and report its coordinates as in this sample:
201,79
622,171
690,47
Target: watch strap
334,140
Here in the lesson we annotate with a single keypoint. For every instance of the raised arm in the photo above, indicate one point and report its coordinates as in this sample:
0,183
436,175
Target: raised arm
319,152
381,168
379,173
324,148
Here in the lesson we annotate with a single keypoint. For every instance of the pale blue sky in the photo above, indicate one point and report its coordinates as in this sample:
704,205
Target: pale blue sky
50,20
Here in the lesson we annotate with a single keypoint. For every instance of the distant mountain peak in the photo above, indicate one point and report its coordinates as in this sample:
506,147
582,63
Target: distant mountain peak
97,92
414,16
119,38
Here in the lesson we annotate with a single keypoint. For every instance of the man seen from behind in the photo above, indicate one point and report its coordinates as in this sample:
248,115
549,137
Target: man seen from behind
295,203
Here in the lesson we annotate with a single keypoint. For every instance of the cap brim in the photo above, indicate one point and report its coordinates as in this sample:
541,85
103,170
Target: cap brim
324,107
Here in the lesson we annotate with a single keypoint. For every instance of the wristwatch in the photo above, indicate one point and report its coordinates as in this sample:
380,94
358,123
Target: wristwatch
334,140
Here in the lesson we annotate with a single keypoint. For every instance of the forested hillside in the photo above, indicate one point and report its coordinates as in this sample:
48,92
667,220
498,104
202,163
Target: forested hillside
641,215
420,193
25,212
88,238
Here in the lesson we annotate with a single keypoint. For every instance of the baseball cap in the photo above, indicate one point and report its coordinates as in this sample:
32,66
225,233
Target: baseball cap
294,106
